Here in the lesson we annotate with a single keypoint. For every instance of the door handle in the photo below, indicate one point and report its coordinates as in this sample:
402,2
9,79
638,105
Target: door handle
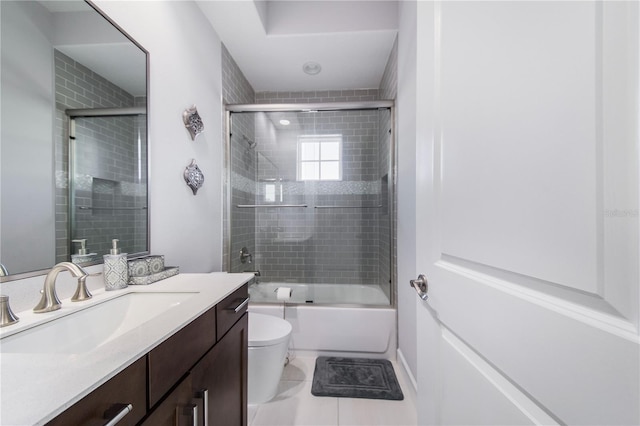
421,286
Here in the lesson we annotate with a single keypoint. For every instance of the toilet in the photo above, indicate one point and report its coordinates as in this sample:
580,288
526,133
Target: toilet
268,344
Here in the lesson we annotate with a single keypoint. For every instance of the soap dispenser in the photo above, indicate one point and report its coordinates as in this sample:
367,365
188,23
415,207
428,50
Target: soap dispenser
116,274
82,256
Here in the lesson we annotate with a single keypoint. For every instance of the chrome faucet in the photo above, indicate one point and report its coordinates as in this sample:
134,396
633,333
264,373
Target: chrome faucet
82,292
256,275
3,271
7,317
49,301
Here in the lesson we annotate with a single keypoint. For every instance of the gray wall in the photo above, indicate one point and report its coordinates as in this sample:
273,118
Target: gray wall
26,180
407,165
185,69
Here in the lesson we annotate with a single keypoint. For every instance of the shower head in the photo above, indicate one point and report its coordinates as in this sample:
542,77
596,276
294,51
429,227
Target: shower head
252,144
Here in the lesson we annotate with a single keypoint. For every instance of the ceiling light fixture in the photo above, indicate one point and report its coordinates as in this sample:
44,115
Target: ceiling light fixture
312,68
285,122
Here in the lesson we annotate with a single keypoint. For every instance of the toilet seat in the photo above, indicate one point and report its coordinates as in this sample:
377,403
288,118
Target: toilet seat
267,330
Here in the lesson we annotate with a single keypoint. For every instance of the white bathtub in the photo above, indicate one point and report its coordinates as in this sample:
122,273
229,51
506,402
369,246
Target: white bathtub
349,330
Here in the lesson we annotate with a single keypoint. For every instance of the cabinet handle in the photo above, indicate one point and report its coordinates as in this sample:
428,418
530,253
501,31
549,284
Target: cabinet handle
119,415
204,395
239,307
187,410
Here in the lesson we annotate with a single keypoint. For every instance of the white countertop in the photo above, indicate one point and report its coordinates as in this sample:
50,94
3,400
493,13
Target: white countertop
34,388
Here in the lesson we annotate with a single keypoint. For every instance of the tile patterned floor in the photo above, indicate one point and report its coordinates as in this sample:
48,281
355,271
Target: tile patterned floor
295,406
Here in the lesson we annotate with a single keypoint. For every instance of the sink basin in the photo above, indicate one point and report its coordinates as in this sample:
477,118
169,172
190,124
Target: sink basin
90,328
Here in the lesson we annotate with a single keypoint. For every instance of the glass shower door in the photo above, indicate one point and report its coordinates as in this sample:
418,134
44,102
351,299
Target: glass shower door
108,187
310,200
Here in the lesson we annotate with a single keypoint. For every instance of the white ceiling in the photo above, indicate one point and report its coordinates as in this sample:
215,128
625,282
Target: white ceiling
271,40
123,64
85,36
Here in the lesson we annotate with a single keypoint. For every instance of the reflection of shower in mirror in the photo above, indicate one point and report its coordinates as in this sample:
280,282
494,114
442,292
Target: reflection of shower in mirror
44,78
97,194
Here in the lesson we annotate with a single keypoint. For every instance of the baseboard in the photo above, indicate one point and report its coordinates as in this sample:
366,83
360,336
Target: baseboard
315,354
407,370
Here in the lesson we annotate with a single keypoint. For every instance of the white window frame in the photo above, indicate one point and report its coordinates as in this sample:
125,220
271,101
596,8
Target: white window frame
319,139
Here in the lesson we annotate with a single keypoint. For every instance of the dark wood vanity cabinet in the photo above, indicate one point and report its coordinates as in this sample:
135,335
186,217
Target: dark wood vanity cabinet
177,408
127,388
222,376
169,361
199,371
223,371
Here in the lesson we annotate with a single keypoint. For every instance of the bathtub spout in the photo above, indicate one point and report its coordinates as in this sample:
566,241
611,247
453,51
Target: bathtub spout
256,276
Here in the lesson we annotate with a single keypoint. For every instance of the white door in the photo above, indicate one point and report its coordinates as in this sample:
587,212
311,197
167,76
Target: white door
527,199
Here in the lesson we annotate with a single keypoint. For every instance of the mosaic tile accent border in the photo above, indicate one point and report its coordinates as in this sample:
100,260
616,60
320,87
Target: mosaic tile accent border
88,183
62,179
244,184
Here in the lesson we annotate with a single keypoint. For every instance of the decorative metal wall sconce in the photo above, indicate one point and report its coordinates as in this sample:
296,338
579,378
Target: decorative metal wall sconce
193,176
193,122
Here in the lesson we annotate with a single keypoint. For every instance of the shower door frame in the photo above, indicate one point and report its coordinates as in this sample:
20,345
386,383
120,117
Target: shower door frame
316,107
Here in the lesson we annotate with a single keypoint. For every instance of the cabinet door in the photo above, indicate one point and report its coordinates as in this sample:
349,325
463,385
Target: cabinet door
124,395
222,373
175,356
178,408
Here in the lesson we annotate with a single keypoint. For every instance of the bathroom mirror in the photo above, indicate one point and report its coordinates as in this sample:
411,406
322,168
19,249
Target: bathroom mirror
73,145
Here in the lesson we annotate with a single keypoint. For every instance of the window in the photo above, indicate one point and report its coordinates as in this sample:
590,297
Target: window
270,192
320,157
273,192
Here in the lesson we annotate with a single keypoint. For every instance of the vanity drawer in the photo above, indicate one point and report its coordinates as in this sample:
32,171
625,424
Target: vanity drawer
231,309
174,357
127,387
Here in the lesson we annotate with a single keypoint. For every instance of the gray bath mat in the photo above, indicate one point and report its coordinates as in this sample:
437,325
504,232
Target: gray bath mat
355,378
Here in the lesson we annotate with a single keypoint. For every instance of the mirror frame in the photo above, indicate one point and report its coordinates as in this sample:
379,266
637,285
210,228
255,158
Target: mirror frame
35,273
